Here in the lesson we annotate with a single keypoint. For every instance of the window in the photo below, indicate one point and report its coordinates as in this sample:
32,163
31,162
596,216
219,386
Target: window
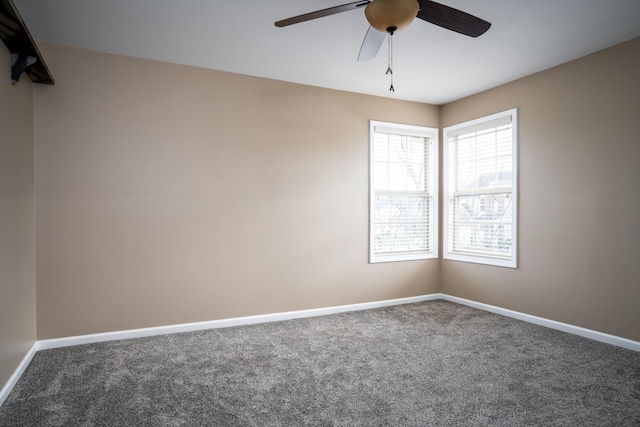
403,203
480,190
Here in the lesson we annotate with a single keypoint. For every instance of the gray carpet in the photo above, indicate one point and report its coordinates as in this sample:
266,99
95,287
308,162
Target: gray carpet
427,364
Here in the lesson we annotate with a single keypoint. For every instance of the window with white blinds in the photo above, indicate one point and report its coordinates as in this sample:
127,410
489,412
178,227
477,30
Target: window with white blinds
480,185
403,203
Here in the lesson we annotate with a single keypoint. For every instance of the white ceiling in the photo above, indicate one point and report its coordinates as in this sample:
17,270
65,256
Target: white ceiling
431,64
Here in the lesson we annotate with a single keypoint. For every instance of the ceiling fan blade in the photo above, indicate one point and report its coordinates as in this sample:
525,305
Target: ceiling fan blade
320,13
452,19
371,44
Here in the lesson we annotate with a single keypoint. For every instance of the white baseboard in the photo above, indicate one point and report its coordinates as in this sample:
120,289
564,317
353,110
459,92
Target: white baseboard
289,315
225,323
564,327
188,327
4,393
249,320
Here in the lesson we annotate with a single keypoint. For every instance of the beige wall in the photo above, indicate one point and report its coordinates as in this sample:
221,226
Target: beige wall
169,194
579,170
17,221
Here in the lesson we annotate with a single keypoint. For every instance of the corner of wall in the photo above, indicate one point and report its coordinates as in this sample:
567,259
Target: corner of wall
17,221
440,197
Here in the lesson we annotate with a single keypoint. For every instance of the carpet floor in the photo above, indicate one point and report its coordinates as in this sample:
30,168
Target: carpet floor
426,364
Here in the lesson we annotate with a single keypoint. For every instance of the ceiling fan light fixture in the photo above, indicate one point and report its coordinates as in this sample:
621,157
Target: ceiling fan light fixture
391,15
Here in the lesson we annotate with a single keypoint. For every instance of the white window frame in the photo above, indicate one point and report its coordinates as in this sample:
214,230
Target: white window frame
474,125
431,191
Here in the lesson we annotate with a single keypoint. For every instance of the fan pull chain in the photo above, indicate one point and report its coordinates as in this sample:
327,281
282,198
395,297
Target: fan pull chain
390,66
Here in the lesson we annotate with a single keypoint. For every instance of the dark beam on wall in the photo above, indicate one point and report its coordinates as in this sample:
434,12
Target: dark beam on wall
25,56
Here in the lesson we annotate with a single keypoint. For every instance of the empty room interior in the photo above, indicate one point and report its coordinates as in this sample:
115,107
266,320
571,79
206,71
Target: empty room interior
195,164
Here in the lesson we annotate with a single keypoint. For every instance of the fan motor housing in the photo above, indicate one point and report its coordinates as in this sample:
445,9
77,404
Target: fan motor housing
391,15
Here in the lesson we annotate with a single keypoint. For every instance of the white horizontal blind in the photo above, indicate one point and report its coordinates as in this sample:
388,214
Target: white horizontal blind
481,198
403,199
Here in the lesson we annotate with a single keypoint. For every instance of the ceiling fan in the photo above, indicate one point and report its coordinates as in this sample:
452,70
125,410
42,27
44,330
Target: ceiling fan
388,16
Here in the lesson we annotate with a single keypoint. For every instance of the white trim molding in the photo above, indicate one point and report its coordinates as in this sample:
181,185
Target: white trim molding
552,324
4,393
290,315
225,323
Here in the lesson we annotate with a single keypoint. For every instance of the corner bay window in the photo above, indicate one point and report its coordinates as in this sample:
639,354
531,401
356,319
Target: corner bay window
480,190
403,192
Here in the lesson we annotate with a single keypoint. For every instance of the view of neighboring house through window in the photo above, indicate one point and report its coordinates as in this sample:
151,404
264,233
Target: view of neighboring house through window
403,200
480,183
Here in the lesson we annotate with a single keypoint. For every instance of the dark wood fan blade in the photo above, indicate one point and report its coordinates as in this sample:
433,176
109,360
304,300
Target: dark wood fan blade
452,19
371,44
320,13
